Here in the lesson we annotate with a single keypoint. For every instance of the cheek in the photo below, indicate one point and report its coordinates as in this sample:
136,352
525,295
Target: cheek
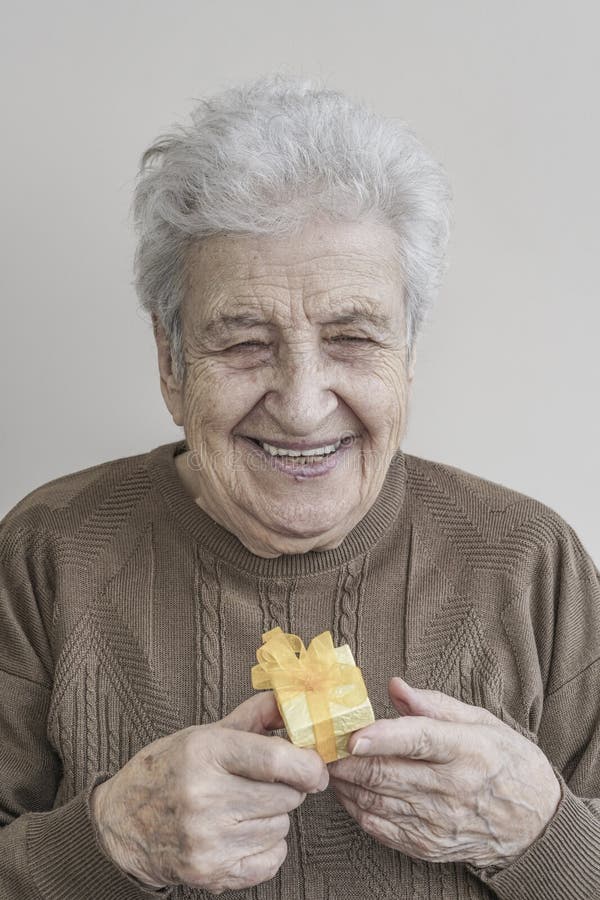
205,392
379,395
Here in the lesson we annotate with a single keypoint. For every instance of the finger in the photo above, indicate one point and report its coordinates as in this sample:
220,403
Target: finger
380,828
413,737
436,705
258,867
259,714
257,835
257,800
270,759
369,801
387,775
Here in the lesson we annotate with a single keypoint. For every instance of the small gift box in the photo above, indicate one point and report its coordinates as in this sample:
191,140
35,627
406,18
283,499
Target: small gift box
320,692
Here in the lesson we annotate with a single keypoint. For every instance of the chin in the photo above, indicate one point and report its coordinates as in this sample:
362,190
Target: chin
312,526
295,530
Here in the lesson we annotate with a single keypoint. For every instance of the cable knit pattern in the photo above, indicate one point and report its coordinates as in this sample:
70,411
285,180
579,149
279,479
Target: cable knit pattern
345,624
208,602
274,603
126,614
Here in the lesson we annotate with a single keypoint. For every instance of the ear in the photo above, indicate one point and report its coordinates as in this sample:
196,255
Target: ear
171,389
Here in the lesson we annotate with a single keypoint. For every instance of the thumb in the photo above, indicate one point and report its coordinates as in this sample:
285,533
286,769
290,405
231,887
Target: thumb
259,714
411,701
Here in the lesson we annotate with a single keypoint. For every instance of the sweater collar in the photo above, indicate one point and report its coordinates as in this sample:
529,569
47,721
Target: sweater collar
226,546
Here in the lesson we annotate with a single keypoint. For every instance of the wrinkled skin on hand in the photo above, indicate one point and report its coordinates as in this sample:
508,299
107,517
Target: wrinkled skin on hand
446,781
208,806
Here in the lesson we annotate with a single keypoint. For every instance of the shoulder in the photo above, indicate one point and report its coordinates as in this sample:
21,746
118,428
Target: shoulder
64,503
428,477
484,515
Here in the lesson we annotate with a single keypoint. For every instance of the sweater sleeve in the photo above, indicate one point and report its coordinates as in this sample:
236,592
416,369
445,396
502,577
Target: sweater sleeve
563,863
46,853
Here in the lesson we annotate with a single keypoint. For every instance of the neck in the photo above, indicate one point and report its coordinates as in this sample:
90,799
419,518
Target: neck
258,539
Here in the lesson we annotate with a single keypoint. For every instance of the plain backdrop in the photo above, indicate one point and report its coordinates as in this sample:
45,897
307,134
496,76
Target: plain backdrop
505,95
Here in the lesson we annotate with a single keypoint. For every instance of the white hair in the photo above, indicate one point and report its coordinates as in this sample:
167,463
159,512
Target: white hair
266,158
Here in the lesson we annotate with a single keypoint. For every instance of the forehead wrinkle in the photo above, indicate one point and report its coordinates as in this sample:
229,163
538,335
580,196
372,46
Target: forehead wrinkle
238,263
268,291
233,289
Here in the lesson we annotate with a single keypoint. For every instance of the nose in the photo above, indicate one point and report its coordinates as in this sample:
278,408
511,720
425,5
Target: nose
301,399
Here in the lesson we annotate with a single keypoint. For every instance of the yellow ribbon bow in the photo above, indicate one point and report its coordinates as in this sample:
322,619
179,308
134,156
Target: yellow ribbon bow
289,669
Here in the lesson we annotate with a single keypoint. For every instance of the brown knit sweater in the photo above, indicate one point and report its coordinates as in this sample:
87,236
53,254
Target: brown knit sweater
126,614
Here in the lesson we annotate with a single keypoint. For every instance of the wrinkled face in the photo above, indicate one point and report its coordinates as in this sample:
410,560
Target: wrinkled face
296,386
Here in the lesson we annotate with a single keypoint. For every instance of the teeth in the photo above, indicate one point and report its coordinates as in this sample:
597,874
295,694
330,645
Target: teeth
318,451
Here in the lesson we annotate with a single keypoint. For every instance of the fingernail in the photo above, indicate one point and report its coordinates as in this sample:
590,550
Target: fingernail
362,746
324,781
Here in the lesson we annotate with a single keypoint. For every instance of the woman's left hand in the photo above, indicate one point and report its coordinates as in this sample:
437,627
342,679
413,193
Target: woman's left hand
446,781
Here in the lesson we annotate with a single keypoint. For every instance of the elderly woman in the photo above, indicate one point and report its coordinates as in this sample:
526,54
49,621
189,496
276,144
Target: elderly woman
290,245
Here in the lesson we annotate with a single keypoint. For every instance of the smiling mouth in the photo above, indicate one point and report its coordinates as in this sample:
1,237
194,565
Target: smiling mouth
304,456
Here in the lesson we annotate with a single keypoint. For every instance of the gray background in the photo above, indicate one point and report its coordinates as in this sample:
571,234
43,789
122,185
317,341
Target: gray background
504,94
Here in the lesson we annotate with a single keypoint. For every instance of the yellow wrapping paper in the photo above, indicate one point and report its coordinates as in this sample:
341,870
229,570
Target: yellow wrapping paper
320,691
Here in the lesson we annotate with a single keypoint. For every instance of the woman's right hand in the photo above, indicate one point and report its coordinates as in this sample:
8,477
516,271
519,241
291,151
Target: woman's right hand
208,806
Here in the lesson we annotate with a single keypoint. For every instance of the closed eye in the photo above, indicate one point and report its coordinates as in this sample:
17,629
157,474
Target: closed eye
340,338
248,344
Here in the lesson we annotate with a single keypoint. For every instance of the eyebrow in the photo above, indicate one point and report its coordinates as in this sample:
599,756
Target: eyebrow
358,318
226,322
